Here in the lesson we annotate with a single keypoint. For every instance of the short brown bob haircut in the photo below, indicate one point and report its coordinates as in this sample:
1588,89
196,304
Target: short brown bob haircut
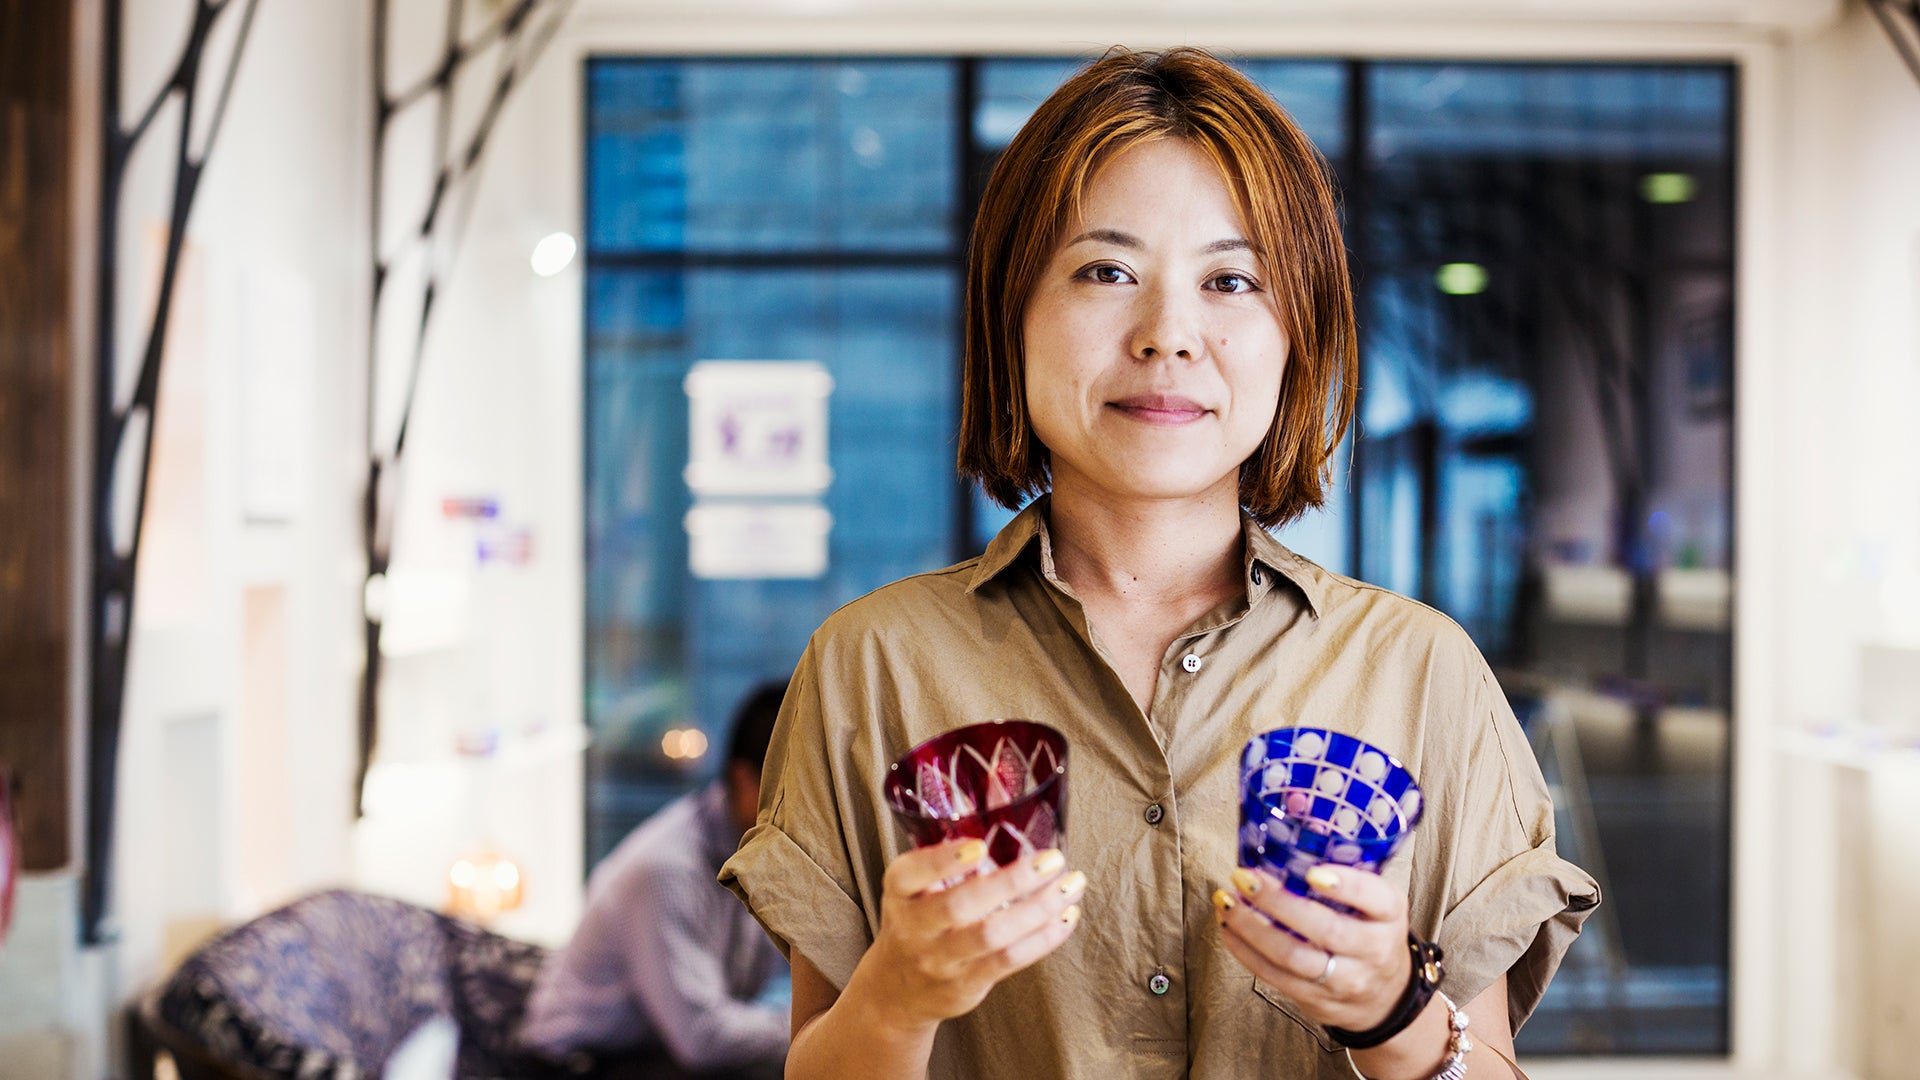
1124,99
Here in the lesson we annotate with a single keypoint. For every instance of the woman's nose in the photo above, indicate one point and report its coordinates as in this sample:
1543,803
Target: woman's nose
1166,326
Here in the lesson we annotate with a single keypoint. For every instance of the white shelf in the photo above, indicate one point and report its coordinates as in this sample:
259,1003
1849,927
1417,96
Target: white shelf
513,754
1862,747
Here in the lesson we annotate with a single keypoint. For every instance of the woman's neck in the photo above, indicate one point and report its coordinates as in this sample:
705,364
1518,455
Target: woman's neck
1183,552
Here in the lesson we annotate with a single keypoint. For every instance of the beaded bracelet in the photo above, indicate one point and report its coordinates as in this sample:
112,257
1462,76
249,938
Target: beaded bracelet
1455,1066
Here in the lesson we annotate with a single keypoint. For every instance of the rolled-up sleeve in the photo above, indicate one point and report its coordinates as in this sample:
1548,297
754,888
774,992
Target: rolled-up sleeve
1520,922
794,868
1510,905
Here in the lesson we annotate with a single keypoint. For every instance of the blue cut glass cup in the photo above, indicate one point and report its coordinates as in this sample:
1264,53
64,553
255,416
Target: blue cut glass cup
1310,796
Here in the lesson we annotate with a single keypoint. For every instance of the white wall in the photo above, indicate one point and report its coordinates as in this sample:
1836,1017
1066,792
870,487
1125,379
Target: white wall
1843,477
238,751
236,763
269,324
1850,369
489,651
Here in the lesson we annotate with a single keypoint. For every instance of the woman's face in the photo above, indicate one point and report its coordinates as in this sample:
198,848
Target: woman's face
1153,349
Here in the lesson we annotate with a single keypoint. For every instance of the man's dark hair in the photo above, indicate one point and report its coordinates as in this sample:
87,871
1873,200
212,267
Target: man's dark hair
753,724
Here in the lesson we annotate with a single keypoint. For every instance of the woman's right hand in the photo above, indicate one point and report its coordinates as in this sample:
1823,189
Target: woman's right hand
942,947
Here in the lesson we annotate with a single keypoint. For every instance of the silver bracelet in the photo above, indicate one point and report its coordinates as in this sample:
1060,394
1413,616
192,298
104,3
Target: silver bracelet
1455,1067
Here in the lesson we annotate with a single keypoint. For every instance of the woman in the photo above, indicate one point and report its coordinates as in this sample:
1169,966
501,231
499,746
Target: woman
1160,347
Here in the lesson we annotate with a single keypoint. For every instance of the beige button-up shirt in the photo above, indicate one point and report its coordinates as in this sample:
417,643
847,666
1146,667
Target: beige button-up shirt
1003,636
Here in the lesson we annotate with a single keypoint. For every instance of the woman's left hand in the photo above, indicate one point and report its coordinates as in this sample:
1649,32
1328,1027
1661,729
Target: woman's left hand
1370,964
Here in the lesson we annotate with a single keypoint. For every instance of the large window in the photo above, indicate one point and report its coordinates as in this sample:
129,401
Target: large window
1542,257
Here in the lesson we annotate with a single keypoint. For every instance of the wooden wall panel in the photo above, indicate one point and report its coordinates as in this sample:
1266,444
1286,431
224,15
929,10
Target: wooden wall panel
36,381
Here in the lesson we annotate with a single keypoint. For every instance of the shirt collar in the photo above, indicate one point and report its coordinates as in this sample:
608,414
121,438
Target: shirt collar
1011,542
1269,556
1266,557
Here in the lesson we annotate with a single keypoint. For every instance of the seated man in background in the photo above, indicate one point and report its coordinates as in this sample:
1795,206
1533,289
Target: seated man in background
661,976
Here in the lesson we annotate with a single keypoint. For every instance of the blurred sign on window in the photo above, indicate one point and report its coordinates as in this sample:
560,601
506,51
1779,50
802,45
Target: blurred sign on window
757,428
758,540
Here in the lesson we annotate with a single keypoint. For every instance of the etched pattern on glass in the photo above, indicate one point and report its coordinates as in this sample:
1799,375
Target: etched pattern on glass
1311,796
1002,782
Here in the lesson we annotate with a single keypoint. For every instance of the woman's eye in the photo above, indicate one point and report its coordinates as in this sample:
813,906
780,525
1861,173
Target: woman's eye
1232,283
1108,275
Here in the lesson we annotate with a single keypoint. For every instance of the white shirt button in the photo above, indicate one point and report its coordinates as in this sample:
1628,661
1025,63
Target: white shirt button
1190,663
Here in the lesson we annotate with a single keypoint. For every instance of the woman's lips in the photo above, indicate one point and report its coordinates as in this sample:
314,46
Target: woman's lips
1160,408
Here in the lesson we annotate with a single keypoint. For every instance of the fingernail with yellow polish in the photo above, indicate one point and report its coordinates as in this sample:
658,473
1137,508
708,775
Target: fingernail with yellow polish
1073,883
1048,861
1244,880
1323,878
970,852
1222,901
1071,915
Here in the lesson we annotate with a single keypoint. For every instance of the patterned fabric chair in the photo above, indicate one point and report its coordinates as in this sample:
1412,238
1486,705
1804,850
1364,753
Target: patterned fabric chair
326,987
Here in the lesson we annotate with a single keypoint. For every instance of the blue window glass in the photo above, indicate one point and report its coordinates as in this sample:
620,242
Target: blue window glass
1009,91
1314,93
772,156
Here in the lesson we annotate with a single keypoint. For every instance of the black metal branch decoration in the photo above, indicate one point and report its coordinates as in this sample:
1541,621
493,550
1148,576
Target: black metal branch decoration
521,32
123,429
1901,20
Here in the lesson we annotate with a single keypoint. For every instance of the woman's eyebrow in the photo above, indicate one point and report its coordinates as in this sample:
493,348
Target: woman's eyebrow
1110,236
1133,243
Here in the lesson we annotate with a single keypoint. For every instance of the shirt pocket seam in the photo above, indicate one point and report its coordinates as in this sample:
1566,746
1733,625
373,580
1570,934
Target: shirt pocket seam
1286,1008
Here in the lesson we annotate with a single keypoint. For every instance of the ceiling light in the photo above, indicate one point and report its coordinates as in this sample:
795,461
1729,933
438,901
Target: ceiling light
1667,187
553,253
1461,279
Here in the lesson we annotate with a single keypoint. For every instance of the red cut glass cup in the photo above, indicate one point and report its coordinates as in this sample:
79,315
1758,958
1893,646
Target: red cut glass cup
1004,781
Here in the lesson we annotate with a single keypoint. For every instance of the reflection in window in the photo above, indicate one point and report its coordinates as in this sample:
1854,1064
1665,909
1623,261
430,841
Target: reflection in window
1543,264
1545,258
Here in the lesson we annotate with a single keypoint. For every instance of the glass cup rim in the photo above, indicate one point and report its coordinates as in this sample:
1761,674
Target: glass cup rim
1044,787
